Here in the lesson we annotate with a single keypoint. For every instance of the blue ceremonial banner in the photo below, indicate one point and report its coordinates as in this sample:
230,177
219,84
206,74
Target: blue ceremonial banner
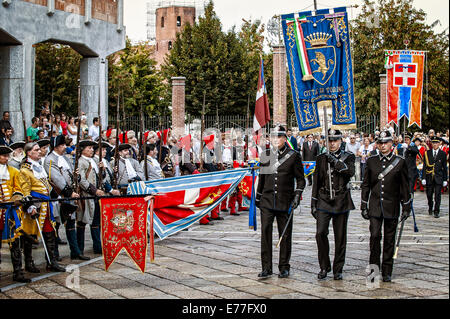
320,67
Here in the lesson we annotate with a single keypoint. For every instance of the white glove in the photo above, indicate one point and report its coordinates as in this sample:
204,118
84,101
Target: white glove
445,183
424,182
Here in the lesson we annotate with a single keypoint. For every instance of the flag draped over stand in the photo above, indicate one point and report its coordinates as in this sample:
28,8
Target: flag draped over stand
124,227
320,67
182,201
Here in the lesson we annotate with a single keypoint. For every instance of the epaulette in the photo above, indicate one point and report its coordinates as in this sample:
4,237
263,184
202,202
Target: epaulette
26,165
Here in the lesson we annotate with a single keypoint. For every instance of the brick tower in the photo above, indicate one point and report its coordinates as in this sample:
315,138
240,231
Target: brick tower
169,21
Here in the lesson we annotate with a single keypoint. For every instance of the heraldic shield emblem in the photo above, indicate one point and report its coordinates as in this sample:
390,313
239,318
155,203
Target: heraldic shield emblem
322,57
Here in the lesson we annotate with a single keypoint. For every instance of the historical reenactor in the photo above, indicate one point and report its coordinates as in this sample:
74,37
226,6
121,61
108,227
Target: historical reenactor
89,214
154,170
385,187
280,187
60,173
333,205
129,169
17,154
44,145
108,171
435,165
38,217
310,151
11,216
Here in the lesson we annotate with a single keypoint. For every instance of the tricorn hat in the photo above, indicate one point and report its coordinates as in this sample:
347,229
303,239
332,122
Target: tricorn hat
17,145
104,145
58,140
5,150
43,142
122,147
86,143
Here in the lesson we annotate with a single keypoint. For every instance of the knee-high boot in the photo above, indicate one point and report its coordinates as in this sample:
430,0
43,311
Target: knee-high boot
80,237
50,242
27,251
96,241
16,259
71,235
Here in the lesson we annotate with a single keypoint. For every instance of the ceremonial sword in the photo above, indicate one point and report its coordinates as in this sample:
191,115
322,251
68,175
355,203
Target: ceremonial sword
290,213
43,241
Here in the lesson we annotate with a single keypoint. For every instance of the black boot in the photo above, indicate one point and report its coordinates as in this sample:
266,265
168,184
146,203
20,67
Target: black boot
80,238
96,241
27,251
50,242
16,259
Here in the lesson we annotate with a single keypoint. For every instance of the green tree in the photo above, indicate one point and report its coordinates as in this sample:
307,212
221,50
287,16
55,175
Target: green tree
223,66
134,71
396,21
57,70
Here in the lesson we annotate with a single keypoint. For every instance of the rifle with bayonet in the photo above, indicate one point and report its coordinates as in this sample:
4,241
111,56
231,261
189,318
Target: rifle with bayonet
116,151
77,148
143,145
202,129
23,115
100,141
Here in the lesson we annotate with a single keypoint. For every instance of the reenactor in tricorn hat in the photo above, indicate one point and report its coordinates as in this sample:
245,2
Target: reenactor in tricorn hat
60,172
331,200
10,221
280,186
384,189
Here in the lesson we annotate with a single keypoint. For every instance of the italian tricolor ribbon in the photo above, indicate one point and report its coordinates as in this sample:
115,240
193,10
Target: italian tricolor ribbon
301,48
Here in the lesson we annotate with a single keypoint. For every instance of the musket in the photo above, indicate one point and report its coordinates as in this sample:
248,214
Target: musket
51,112
202,129
100,140
143,145
23,116
77,148
116,151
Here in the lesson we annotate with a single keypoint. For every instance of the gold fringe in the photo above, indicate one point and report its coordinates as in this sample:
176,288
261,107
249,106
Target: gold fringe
314,130
307,77
344,127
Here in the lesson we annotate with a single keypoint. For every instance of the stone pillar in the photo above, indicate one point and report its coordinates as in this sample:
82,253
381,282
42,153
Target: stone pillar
16,75
93,84
279,85
178,104
383,101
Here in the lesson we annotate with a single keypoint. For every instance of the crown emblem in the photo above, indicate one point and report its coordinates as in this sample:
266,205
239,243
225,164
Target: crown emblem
383,134
318,38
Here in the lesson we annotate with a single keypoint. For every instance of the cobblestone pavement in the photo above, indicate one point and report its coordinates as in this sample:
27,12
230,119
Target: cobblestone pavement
223,260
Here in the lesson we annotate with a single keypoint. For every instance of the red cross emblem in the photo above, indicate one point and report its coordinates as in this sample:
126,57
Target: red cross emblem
405,74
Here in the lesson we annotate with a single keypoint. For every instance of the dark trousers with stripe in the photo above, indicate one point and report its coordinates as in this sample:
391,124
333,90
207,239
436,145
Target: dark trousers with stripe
434,190
340,240
390,229
267,219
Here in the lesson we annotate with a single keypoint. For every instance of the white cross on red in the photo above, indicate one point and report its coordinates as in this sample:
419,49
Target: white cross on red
405,74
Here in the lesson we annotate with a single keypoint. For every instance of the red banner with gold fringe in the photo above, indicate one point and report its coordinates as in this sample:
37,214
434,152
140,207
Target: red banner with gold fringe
124,226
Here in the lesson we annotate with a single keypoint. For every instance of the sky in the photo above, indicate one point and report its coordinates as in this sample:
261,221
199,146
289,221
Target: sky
231,12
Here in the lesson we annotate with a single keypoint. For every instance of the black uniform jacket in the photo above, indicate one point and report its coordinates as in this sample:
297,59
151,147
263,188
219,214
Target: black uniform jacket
384,195
410,155
440,167
276,190
340,177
